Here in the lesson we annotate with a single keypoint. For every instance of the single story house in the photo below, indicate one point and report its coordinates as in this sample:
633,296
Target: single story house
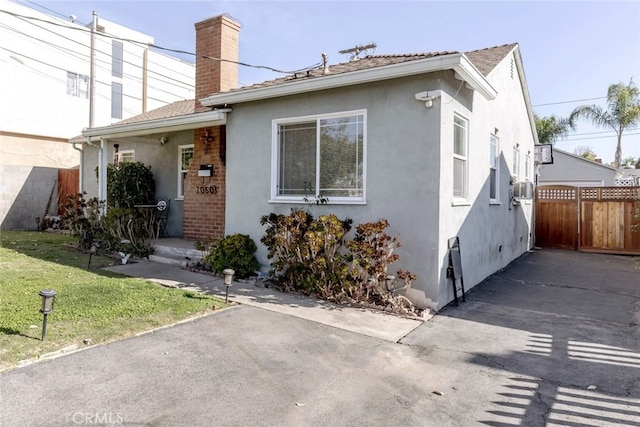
434,142
576,171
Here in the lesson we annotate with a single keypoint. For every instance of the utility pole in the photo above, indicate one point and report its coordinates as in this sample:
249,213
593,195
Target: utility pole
92,71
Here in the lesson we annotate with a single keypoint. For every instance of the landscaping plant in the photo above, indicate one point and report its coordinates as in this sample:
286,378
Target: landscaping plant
312,256
235,252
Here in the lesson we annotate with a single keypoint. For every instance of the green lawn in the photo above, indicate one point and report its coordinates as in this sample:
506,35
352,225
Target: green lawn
91,303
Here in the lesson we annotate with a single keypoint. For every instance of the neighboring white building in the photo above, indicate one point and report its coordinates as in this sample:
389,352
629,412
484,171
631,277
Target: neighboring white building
45,64
45,69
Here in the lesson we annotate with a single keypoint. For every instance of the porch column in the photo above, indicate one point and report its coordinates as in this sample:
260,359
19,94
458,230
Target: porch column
102,171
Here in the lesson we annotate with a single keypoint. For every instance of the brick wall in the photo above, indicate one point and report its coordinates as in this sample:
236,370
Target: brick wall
216,38
204,201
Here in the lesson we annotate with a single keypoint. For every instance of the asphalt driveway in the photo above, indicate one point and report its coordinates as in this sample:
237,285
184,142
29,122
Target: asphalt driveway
552,340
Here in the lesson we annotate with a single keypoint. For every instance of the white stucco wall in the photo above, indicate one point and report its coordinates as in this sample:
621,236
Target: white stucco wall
409,178
491,235
402,166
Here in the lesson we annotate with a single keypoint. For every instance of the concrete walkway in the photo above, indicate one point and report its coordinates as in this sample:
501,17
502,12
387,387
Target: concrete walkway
371,323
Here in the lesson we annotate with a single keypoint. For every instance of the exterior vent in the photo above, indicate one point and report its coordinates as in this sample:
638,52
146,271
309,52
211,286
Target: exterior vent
523,190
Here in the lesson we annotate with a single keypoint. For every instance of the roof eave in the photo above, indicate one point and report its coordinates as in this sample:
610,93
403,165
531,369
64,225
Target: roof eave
457,62
170,124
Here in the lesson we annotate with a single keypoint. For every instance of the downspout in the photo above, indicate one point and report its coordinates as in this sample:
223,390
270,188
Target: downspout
80,178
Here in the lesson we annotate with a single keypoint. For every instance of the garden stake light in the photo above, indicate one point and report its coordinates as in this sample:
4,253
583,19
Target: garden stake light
48,296
228,279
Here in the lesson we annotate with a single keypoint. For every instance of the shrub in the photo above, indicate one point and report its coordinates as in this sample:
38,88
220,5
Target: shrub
82,218
236,252
129,231
311,256
129,184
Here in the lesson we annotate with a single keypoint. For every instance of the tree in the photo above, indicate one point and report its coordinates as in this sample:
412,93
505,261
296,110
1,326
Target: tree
628,161
623,112
551,128
585,152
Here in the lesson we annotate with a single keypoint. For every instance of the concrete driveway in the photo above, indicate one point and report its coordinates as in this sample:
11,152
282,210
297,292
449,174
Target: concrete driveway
552,340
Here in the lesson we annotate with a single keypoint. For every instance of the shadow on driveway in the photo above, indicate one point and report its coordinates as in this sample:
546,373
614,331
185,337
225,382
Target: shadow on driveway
564,327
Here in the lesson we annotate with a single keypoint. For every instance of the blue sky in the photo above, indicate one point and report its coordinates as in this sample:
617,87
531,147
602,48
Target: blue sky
572,51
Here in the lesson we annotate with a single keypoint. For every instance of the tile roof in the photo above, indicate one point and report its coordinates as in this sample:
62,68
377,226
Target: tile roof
485,60
178,108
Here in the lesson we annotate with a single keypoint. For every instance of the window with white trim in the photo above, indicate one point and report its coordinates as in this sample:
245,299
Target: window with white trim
77,85
185,157
515,166
494,177
124,156
460,164
320,157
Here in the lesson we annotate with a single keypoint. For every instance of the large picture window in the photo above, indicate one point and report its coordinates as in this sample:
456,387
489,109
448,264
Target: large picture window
185,157
320,157
460,165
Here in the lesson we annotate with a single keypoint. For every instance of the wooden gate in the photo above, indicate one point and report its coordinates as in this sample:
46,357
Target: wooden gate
590,219
68,184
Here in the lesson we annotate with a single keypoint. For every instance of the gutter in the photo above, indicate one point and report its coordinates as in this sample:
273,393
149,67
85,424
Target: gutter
171,124
457,62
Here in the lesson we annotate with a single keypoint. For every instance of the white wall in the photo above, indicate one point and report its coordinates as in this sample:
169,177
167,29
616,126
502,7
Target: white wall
409,178
35,57
491,235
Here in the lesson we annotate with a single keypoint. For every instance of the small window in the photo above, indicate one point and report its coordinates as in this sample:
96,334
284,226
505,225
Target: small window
527,167
117,52
320,157
124,156
116,100
494,179
515,167
185,157
460,164
77,85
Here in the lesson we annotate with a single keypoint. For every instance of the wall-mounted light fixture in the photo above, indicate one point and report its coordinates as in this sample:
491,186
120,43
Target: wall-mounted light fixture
207,140
428,97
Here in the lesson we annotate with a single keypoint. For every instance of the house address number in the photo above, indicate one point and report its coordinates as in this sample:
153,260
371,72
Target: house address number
212,189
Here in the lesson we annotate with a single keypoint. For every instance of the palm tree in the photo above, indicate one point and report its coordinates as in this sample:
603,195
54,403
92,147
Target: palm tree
551,128
623,111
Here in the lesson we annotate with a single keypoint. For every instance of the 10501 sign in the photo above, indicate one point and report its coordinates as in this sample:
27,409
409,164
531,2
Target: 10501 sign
212,189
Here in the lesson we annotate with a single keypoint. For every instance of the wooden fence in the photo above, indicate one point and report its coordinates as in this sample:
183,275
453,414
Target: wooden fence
590,219
68,184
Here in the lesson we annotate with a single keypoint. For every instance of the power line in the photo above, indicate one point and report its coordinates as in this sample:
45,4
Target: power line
569,102
79,55
598,137
184,52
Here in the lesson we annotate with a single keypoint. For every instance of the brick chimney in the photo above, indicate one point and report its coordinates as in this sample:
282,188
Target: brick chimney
217,38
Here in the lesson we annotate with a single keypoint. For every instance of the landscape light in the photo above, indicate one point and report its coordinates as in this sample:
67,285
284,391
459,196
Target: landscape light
228,280
48,297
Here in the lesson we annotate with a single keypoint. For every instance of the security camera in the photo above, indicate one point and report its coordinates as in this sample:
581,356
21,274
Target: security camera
73,18
163,140
428,103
